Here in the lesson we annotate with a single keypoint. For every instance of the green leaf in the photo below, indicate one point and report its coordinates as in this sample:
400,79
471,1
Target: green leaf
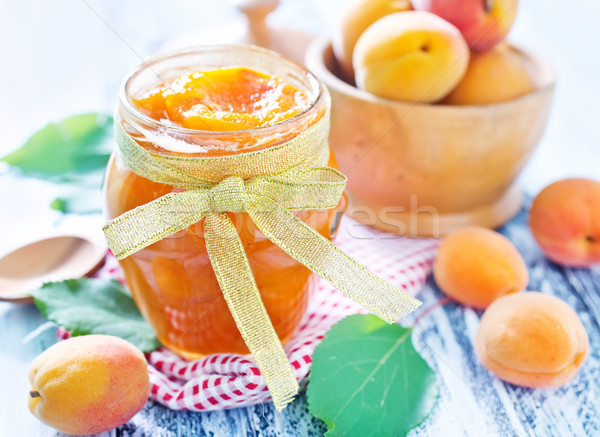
62,152
79,201
95,306
368,380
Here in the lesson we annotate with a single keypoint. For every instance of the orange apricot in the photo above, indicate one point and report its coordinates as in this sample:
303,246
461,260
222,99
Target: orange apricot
89,384
531,339
476,265
565,221
356,17
498,75
410,56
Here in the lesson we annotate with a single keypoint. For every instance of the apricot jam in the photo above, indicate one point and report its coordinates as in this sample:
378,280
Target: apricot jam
213,101
224,100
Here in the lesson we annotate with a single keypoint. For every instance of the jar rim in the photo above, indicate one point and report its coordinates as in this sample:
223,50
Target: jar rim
126,103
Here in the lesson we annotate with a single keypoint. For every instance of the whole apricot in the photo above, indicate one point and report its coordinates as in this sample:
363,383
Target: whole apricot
356,17
498,75
484,23
565,221
410,56
531,339
89,384
475,266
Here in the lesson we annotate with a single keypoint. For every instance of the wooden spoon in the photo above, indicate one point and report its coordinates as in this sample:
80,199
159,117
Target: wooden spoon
51,259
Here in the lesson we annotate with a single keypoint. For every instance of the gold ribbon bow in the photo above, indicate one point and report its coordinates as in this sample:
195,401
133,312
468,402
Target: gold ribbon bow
269,184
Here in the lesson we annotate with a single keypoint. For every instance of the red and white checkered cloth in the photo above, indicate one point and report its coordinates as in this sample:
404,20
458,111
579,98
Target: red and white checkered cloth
229,380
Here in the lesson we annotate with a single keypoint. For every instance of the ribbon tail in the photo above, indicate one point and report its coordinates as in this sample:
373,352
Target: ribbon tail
239,288
149,223
310,248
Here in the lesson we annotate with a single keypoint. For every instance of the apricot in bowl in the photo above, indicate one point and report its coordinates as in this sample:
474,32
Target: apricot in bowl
356,17
498,75
410,56
424,169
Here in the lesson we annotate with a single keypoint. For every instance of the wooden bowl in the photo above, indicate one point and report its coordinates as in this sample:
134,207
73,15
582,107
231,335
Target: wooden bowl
426,169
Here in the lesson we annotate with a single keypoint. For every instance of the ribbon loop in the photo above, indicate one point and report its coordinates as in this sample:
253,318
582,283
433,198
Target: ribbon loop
149,223
311,188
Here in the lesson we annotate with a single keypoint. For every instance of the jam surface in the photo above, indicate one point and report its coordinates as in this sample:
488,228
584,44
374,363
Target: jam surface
226,99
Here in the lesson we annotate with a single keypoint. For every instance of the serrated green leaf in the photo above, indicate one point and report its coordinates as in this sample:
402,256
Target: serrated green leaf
95,306
64,151
367,379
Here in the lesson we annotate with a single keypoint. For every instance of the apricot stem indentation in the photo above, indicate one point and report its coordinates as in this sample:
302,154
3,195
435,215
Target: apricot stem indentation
487,6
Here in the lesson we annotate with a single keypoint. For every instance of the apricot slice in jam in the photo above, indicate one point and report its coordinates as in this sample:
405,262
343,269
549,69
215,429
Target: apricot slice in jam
223,100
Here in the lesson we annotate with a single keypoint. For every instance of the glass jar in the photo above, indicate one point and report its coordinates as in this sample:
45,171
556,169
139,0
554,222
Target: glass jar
172,280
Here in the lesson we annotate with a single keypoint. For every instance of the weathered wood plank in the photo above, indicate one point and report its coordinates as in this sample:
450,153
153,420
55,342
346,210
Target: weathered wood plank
473,402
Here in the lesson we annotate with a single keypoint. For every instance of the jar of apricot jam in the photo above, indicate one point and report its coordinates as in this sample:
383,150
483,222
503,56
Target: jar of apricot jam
216,101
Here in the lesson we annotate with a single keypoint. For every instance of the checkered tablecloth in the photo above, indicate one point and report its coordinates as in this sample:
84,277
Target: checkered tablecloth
229,380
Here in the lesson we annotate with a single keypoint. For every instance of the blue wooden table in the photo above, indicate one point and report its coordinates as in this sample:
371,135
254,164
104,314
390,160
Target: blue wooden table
472,402
66,57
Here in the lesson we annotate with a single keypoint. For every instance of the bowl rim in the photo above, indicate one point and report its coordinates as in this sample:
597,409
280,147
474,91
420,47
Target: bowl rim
321,46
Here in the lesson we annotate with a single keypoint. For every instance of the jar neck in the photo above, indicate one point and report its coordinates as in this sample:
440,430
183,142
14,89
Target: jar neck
166,138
